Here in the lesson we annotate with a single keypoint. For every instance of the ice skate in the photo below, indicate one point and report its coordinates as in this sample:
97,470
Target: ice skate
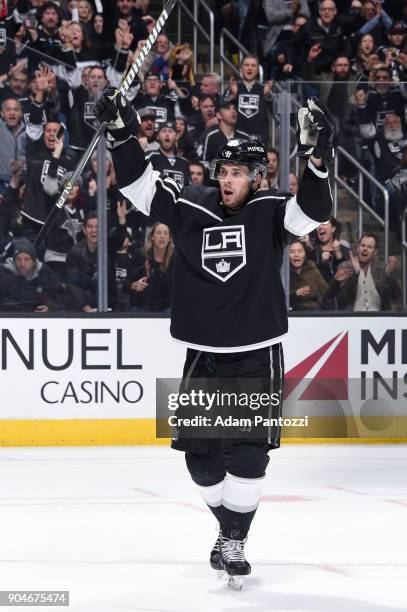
215,560
234,562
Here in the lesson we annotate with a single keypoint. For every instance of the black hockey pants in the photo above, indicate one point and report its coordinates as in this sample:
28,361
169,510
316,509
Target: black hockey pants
208,460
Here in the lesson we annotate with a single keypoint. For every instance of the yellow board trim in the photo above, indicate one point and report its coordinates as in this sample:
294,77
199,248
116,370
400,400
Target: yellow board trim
112,432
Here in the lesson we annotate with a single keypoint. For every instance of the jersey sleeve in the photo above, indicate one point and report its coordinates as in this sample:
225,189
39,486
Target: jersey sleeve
149,191
313,203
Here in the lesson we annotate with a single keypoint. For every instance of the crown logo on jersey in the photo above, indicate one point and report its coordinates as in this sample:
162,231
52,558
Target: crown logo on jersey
223,250
223,267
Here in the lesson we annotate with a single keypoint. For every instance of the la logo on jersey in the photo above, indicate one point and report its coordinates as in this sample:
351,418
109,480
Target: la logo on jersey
223,250
249,105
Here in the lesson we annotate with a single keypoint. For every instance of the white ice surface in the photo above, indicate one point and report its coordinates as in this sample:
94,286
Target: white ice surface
125,529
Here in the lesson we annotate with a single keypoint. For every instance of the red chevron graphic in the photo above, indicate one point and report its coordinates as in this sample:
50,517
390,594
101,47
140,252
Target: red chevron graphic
331,380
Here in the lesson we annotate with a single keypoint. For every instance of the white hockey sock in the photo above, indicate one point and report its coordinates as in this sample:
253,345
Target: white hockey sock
213,494
241,494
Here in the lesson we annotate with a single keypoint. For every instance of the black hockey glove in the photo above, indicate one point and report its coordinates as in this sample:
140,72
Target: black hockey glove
315,130
122,120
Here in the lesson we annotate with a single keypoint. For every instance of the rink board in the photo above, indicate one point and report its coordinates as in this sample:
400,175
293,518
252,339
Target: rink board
74,381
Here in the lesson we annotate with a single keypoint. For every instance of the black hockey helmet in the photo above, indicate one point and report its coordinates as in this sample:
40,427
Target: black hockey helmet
249,152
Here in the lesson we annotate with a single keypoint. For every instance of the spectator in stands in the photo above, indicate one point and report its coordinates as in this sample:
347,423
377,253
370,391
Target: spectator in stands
25,282
329,252
181,61
91,188
377,21
166,161
12,138
147,137
210,85
85,14
391,52
157,60
365,57
335,93
273,167
142,7
124,260
388,150
278,69
67,228
397,36
203,119
126,12
77,104
8,56
17,84
307,286
149,283
11,203
388,146
252,100
292,183
357,136
280,18
152,97
397,184
383,99
185,144
365,284
41,143
45,37
81,44
159,64
197,172
81,262
101,44
321,40
227,116
51,100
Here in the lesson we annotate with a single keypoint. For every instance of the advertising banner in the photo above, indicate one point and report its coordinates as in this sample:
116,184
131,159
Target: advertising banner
352,371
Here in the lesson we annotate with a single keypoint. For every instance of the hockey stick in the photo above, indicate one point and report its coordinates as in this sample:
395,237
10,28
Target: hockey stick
123,88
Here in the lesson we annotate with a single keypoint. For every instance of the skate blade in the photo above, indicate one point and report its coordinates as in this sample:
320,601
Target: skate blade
235,583
220,574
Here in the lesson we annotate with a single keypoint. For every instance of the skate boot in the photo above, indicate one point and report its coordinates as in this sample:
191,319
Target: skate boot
214,560
234,562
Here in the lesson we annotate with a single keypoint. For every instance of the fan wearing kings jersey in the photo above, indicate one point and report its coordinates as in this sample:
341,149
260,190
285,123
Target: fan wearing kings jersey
228,304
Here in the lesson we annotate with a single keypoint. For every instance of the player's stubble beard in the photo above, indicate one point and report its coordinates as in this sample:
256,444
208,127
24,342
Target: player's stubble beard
235,208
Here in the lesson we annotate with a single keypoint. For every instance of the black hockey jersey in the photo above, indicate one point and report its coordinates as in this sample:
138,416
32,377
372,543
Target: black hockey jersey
213,141
78,105
163,106
176,168
227,291
379,106
252,111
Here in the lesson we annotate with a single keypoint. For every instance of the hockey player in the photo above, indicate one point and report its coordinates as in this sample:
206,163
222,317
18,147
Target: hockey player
228,303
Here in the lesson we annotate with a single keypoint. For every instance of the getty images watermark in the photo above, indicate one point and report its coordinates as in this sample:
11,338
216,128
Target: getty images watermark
220,399
221,408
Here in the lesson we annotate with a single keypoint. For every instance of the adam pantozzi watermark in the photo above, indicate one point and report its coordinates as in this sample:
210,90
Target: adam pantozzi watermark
220,399
221,408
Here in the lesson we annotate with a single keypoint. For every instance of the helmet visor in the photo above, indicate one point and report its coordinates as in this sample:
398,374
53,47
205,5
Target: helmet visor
251,170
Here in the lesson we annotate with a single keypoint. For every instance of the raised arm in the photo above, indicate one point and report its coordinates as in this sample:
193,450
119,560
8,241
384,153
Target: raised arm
313,203
147,190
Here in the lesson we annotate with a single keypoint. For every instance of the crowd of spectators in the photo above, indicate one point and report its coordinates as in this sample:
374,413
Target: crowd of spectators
57,56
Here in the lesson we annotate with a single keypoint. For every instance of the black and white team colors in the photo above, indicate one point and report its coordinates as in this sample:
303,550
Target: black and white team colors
227,294
176,168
